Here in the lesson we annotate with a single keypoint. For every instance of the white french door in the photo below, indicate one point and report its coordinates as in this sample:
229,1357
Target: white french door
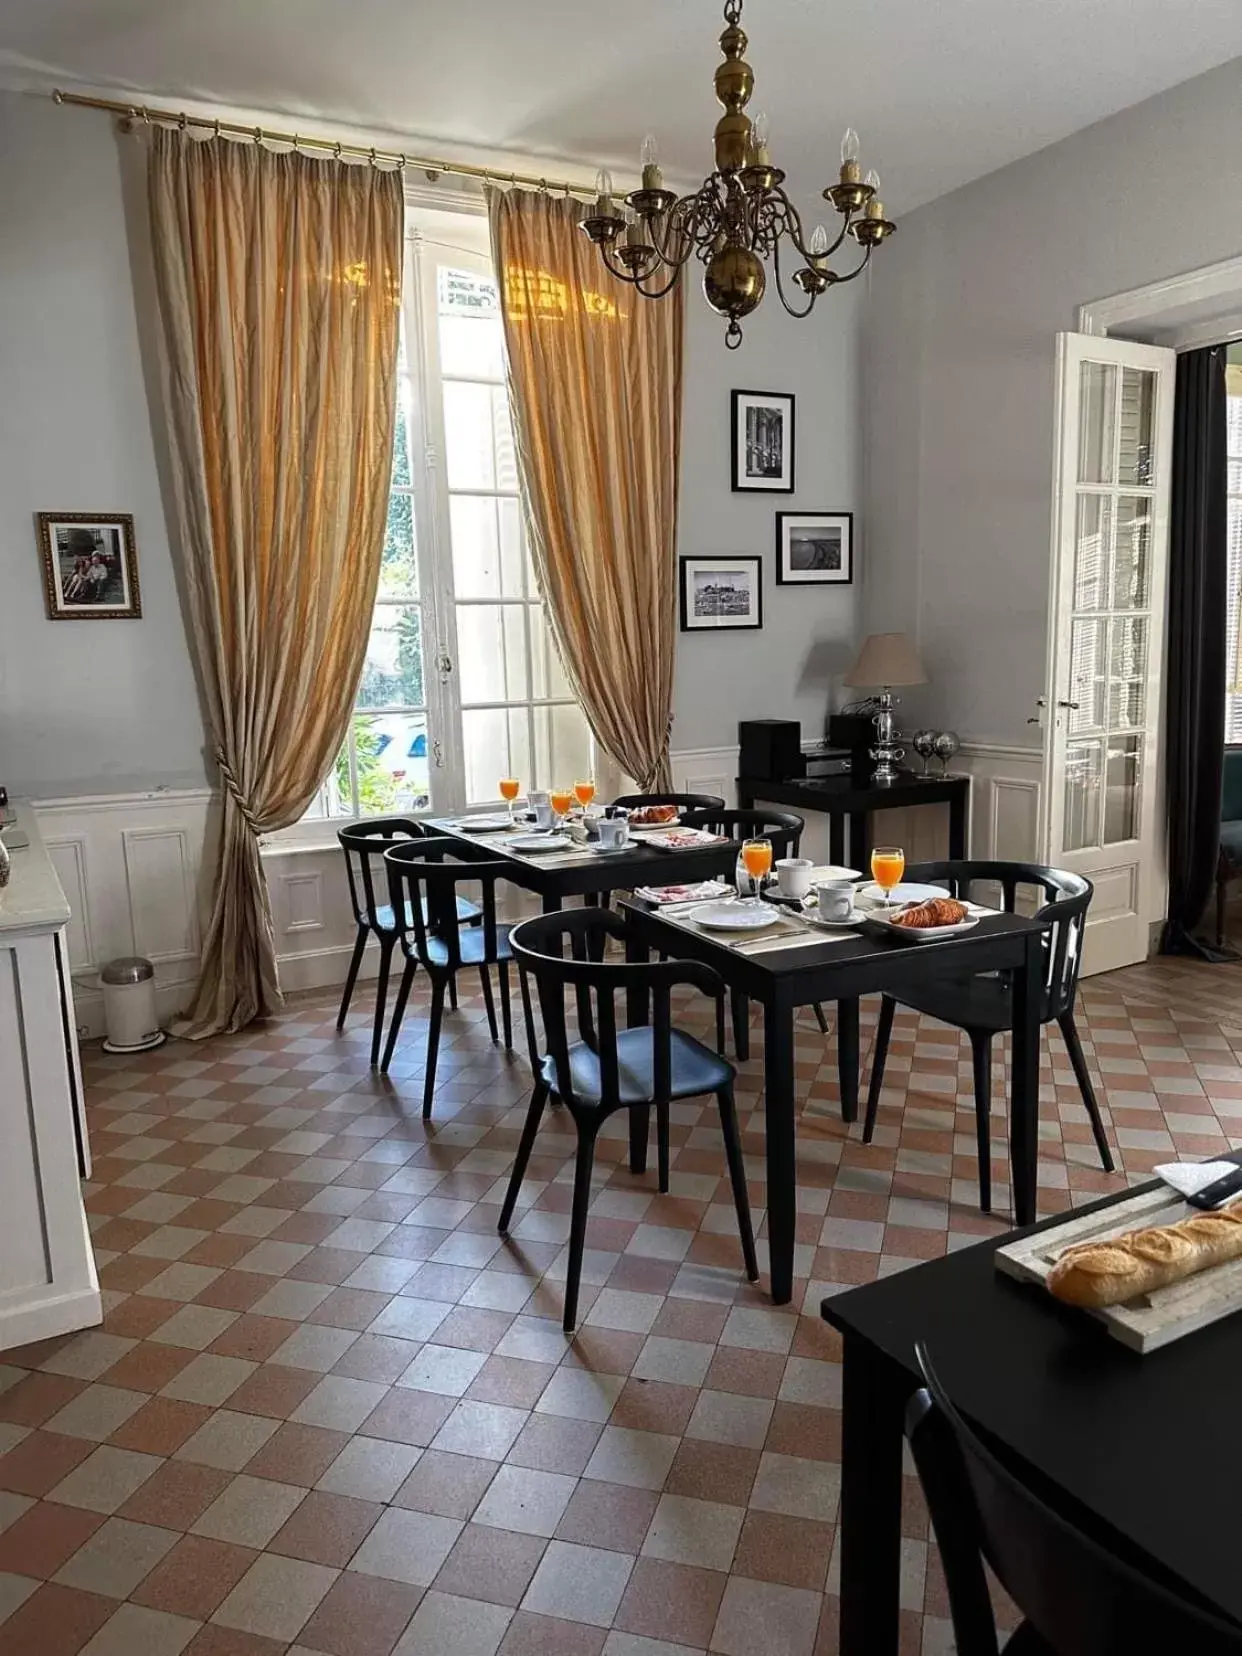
500,704
1104,702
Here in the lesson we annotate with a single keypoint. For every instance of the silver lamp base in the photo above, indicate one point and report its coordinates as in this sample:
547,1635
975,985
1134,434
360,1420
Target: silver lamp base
886,753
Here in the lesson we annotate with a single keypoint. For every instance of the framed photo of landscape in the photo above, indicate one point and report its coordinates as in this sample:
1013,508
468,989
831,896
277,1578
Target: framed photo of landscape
721,592
814,548
763,442
90,568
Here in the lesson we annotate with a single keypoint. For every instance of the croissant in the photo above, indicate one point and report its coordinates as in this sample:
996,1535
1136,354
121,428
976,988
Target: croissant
938,911
1109,1273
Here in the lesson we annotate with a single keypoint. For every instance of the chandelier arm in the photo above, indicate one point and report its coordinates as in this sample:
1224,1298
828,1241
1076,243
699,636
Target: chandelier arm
613,269
661,240
858,269
780,287
658,293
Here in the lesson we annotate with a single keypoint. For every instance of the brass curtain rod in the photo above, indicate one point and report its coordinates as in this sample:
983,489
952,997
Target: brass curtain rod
301,140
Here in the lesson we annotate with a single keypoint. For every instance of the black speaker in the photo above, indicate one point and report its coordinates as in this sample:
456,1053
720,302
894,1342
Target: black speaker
855,731
770,749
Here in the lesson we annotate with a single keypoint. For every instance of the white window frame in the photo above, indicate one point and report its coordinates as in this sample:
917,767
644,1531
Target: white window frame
1233,546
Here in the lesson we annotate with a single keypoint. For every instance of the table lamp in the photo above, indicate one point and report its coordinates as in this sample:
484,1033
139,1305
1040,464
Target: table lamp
886,660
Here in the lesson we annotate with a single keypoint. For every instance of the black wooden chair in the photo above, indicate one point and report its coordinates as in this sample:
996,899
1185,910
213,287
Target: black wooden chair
683,801
981,1005
609,1069
362,844
423,894
1077,1597
784,829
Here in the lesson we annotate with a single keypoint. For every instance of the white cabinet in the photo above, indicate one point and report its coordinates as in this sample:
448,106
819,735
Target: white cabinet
48,1284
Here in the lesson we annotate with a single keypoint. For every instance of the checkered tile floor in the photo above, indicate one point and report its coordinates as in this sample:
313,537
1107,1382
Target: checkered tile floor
329,1410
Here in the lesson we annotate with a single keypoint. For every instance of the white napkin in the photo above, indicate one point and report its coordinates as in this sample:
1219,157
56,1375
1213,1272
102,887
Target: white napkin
1188,1178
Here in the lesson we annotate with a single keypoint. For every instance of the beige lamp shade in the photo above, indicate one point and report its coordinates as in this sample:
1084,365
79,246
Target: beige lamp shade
886,659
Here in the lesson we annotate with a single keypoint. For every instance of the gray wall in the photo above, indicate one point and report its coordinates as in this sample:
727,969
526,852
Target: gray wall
85,706
788,669
958,387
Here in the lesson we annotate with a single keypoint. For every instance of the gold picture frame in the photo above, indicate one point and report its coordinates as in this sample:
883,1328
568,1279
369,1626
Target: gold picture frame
90,566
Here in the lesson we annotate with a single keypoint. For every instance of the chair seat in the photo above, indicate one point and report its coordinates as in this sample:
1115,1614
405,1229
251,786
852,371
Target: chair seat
695,1068
472,943
467,914
983,1002
1231,841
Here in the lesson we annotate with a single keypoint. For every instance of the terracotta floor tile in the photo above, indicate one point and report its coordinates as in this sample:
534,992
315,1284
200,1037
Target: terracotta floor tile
195,1577
674,1602
408,1416
234,1290
326,1529
296,1454
509,1380
274,1391
161,1426
451,1486
749,1373
608,1515
228,1641
176,1495
40,1461
803,1430
554,1443
37,1397
491,1564
252,1337
361,1616
473,1328
55,1621
377,1357
44,1537
795,1551
531,1635
713,1472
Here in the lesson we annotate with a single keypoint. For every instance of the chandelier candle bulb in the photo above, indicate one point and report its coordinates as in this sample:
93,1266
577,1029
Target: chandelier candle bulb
875,207
819,243
759,134
653,179
603,191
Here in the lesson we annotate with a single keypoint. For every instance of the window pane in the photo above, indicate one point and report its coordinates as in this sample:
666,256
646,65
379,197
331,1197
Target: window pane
485,737
487,546
547,675
335,798
466,293
1138,398
1088,670
399,563
478,438
1082,794
1091,552
571,744
1127,670
401,444
392,758
392,675
1097,395
472,346
1121,793
491,645
1132,557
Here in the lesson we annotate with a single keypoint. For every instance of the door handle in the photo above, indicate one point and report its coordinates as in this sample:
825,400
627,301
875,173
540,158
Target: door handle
1073,706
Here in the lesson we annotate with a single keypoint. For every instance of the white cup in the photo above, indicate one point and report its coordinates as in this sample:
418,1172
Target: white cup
613,831
793,876
545,816
835,899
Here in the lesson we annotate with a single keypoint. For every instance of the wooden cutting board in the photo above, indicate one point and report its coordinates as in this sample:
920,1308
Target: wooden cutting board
1151,1320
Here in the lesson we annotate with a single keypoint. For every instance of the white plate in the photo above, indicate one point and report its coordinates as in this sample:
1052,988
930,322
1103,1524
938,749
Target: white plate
482,824
904,893
606,850
539,842
827,873
734,916
924,934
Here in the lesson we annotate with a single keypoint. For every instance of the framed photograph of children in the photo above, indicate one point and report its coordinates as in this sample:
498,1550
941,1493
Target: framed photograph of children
763,441
814,548
721,592
90,567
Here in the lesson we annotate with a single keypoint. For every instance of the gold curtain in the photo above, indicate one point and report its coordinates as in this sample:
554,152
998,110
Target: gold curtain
278,281
595,389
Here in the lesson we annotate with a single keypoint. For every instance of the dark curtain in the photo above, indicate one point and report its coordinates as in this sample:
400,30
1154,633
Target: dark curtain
1198,570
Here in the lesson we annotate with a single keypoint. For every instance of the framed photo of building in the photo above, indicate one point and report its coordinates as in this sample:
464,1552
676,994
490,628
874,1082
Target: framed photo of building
763,442
90,567
814,548
721,592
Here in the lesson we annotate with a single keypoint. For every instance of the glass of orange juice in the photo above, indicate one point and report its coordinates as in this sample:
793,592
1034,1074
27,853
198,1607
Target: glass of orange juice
888,864
584,792
561,799
509,787
757,861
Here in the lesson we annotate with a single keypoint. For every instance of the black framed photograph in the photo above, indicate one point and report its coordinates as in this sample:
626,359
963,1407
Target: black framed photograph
90,566
763,441
814,548
721,592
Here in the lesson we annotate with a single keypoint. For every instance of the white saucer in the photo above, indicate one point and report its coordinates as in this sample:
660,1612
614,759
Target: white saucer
734,916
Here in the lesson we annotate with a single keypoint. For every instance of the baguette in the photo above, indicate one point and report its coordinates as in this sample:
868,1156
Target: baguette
1096,1274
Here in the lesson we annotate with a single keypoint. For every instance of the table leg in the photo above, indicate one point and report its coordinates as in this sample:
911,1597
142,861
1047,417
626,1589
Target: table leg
637,1012
874,1398
778,1110
739,1003
847,1057
552,902
836,839
1024,1081
957,825
860,840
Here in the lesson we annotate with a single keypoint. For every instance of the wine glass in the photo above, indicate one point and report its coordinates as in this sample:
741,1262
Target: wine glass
757,861
584,792
888,864
509,787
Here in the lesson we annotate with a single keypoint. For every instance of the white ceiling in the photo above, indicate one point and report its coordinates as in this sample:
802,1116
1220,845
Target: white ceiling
942,91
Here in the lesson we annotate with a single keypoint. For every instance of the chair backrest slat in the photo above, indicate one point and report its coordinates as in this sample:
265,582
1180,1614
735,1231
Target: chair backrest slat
783,828
424,877
364,844
1081,1597
683,801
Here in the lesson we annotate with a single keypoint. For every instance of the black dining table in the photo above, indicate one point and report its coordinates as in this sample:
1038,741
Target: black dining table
1139,1450
841,968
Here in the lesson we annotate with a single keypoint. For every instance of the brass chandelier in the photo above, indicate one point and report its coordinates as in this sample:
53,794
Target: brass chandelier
739,215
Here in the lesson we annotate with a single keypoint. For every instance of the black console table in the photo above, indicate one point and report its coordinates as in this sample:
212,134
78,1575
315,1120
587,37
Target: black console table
852,799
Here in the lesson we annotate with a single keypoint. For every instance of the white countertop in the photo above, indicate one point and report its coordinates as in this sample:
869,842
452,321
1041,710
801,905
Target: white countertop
33,897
